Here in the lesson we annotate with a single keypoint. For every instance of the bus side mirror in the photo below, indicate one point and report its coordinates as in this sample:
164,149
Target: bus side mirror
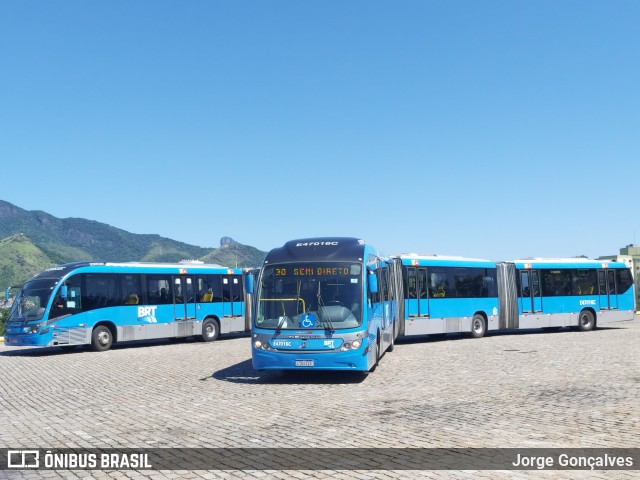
248,283
63,292
373,283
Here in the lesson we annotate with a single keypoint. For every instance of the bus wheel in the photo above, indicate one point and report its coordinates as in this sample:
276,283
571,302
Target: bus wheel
478,326
586,321
101,338
210,330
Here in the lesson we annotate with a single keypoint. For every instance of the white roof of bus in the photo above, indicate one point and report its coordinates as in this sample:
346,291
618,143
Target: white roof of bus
434,256
164,265
562,260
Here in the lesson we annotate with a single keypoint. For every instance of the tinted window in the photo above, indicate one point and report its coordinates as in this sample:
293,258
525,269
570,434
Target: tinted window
624,278
556,283
461,282
101,290
159,289
585,282
131,289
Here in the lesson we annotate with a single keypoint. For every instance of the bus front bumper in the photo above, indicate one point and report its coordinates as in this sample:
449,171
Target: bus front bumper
27,340
296,360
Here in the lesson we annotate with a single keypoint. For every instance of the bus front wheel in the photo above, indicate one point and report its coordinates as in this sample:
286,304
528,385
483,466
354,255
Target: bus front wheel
210,330
101,338
478,326
586,321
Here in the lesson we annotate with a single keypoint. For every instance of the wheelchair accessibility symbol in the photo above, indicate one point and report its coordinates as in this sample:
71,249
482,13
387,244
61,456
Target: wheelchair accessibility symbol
308,321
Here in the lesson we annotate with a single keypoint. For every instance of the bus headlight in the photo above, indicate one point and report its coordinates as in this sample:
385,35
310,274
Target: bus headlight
257,344
351,346
31,328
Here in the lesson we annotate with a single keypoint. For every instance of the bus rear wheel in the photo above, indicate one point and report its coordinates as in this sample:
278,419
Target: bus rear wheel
210,330
101,338
586,321
478,326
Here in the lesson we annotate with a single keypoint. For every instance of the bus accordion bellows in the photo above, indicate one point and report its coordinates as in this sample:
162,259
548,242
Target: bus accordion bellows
102,303
323,303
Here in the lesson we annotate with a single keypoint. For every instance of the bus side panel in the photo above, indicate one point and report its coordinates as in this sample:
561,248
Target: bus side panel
452,315
626,301
232,324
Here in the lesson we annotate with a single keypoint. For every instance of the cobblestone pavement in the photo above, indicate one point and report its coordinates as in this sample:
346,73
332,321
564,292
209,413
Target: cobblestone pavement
536,389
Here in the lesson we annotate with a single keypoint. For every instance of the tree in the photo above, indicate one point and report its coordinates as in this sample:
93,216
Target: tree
4,315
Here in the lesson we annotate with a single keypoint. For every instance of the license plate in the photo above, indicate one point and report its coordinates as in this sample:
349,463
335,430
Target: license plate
304,363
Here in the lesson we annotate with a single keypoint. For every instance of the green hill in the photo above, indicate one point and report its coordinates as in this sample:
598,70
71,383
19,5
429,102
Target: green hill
34,240
19,260
234,254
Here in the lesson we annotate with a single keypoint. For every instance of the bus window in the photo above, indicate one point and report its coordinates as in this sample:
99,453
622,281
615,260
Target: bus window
585,281
624,279
411,283
422,282
100,291
612,282
131,292
73,301
556,283
602,282
439,283
159,289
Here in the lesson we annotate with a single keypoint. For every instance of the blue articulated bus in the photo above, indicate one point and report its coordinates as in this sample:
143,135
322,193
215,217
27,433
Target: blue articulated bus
575,292
323,303
102,303
461,295
442,294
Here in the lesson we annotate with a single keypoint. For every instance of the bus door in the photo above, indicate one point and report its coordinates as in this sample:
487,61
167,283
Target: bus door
231,293
530,292
417,302
607,289
184,297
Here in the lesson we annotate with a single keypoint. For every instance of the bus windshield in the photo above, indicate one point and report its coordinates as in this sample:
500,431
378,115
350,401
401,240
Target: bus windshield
31,301
310,295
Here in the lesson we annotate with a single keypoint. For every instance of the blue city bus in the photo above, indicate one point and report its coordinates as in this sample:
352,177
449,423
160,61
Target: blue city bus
462,295
442,294
553,293
102,303
323,303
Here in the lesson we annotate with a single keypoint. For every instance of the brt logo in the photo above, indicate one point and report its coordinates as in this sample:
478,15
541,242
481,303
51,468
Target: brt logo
146,312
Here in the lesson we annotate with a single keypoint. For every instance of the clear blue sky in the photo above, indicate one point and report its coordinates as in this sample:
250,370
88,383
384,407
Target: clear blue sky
492,129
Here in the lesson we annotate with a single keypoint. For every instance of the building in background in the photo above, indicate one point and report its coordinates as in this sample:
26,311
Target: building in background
630,255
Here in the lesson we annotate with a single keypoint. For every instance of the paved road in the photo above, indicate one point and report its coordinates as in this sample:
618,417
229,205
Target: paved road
563,389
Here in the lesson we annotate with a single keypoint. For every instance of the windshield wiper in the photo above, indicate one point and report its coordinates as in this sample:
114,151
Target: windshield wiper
281,323
325,317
